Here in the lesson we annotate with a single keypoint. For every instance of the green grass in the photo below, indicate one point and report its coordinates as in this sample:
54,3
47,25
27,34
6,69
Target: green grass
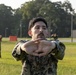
8,66
68,65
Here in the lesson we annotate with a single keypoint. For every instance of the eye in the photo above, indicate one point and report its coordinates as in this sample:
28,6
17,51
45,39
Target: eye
37,27
44,27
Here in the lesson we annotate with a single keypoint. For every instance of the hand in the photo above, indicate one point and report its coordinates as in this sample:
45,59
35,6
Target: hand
30,47
38,47
45,47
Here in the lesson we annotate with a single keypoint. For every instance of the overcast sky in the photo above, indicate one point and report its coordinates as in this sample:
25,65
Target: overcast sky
17,3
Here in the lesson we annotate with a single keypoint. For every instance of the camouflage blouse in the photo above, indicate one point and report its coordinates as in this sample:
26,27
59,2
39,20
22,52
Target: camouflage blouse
44,65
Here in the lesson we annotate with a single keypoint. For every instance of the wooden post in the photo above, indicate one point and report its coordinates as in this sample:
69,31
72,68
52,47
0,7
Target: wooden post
0,48
0,44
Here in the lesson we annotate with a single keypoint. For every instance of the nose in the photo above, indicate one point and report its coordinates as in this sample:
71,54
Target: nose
41,29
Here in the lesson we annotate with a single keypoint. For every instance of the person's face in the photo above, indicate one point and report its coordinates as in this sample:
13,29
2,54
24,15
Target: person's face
39,30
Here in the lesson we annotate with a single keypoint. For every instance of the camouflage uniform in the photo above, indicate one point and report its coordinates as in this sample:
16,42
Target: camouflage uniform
44,65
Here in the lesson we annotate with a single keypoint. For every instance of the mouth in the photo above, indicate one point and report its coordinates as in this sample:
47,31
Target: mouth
41,36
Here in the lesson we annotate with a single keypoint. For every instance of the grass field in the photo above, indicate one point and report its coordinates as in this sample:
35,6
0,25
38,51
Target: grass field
8,66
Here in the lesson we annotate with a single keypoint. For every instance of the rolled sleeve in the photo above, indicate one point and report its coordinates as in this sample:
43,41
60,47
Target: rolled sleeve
59,50
17,52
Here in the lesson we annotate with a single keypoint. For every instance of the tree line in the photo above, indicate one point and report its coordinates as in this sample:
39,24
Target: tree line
58,15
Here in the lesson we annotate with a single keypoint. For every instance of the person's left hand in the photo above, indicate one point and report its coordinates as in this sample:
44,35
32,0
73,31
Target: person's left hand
45,47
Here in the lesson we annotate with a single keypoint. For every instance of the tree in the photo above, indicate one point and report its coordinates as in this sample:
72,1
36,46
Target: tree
6,14
68,9
57,15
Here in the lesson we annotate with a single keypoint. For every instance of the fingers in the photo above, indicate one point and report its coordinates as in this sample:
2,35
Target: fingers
38,54
45,42
32,42
35,54
41,54
39,48
38,40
